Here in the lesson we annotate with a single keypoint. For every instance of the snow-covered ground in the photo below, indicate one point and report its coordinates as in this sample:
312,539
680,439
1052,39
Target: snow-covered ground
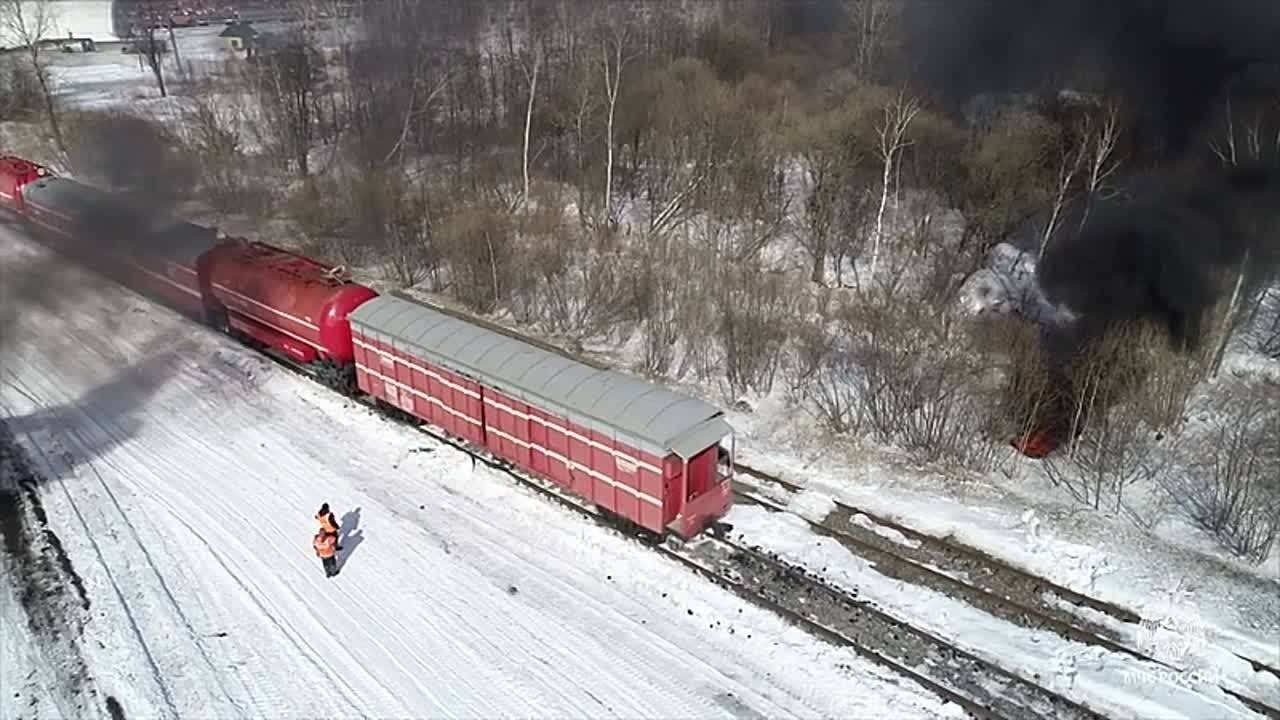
1172,571
1112,683
110,78
78,18
182,475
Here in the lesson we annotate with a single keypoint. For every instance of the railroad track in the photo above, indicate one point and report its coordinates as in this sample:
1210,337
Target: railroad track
976,578
981,687
933,662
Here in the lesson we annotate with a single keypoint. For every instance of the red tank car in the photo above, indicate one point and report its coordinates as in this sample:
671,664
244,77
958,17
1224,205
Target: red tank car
15,173
285,301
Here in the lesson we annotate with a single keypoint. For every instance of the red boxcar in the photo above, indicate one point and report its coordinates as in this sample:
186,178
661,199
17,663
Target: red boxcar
636,449
283,300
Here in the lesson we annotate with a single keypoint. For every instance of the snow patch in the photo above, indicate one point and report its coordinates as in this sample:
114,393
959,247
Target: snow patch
883,531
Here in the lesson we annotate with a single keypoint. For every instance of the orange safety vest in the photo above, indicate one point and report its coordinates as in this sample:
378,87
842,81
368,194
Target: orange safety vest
325,544
326,525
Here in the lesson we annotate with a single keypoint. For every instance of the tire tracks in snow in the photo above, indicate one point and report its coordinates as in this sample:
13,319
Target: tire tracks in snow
42,572
304,647
499,555
492,547
373,614
250,588
157,676
288,630
489,540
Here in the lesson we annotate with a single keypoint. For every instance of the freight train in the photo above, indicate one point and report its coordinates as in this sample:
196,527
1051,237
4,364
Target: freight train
639,452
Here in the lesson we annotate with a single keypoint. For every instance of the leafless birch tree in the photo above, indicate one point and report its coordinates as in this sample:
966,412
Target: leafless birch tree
871,19
531,68
892,136
1086,160
613,55
1103,134
1071,158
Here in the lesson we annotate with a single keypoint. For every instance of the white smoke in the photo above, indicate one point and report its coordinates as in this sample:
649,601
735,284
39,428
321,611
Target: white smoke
1008,286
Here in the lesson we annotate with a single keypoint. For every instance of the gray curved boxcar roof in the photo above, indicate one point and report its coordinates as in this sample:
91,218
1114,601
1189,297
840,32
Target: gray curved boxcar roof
119,225
637,413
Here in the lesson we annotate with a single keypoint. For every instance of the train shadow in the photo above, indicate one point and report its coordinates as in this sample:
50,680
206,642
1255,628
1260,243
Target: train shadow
78,433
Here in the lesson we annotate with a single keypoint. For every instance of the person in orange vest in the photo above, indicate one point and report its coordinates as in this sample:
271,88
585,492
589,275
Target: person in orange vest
328,523
326,546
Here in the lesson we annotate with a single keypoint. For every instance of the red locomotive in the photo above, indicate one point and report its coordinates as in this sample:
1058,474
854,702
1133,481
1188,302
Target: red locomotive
638,451
286,302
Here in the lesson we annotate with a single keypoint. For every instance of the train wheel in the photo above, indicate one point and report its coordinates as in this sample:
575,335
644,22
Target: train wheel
341,378
216,318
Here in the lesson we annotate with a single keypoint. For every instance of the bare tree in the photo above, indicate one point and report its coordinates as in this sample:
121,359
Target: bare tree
410,254
583,288
476,241
756,312
1128,389
871,20
822,217
212,133
668,302
1227,152
1233,489
917,381
613,55
153,15
821,153
30,22
1071,158
693,130
1102,132
173,42
396,76
892,136
584,106
1230,315
531,69
286,82
827,380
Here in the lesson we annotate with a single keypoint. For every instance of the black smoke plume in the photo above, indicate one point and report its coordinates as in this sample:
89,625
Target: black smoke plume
1168,60
1183,228
1161,249
143,176
1167,253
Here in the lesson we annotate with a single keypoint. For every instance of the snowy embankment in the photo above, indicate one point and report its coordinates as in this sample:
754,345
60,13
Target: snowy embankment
1114,684
182,472
1169,574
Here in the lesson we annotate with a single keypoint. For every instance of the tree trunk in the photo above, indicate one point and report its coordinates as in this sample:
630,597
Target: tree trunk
47,95
528,121
884,202
1229,317
177,59
155,59
612,82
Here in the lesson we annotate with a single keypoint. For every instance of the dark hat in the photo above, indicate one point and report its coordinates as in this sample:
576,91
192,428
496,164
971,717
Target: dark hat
324,508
